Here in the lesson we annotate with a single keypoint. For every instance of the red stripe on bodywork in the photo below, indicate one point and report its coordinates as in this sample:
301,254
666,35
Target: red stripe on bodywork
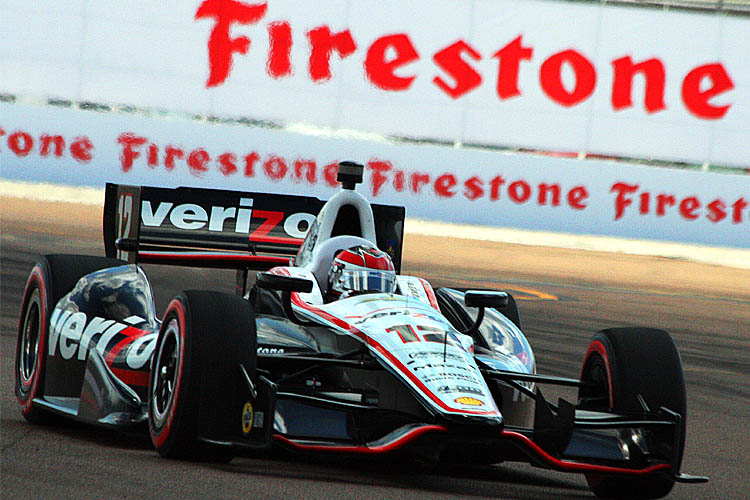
132,377
364,449
430,293
525,442
569,466
131,333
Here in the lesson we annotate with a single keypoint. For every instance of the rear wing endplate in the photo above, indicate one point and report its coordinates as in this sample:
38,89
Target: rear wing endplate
220,228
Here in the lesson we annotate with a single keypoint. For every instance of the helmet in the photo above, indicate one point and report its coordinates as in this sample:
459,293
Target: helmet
361,269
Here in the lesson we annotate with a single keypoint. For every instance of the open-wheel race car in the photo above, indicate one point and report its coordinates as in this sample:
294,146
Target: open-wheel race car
329,349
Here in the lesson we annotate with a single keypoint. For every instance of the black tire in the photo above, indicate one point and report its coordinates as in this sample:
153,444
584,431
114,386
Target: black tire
51,278
622,363
195,374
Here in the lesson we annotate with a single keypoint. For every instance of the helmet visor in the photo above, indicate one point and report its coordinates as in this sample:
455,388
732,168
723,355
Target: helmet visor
367,281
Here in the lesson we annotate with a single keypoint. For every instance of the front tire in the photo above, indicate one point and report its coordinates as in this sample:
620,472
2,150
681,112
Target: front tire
621,364
51,278
195,374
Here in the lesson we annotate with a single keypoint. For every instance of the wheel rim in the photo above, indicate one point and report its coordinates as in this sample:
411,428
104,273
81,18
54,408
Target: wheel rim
595,395
30,338
165,373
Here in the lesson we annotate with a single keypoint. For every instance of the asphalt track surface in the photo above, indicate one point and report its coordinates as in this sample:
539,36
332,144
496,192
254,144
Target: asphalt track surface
565,297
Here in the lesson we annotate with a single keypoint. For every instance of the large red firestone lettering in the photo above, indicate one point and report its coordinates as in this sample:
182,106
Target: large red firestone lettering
653,72
697,100
737,208
198,162
129,142
20,143
171,154
444,185
378,178
474,189
577,197
417,180
279,53
227,163
451,61
382,72
623,199
544,189
81,148
519,191
250,161
309,167
329,174
220,45
275,167
49,140
662,202
689,206
323,42
717,211
399,181
495,185
550,77
509,63
152,158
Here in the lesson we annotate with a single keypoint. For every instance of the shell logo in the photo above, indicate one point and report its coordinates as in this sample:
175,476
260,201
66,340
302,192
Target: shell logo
466,400
247,418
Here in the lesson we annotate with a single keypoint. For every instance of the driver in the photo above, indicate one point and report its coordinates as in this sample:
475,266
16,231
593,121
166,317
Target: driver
360,269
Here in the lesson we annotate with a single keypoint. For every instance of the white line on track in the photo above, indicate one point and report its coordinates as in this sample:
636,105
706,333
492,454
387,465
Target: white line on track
731,257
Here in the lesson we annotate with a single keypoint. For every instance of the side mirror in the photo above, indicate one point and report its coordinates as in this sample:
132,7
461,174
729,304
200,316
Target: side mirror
283,283
478,298
482,299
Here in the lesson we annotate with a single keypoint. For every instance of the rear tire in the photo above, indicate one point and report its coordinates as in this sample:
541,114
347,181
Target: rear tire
623,363
195,374
51,278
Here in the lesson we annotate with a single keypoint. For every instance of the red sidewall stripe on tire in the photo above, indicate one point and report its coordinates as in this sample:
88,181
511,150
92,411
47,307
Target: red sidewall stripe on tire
597,347
36,275
161,437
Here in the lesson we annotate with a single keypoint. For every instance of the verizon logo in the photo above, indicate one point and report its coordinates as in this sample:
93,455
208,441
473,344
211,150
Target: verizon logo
240,219
190,216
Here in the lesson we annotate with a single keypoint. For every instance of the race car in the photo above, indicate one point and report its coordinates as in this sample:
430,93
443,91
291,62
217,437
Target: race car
330,349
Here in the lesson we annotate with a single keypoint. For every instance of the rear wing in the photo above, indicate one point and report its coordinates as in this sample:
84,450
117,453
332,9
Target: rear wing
219,228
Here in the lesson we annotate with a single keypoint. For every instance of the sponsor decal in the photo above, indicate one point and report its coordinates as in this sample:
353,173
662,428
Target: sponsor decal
270,350
194,217
451,376
469,401
74,334
247,418
434,354
445,389
259,419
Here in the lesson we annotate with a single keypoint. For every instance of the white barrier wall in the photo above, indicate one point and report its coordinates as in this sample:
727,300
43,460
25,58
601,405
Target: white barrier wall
456,185
563,76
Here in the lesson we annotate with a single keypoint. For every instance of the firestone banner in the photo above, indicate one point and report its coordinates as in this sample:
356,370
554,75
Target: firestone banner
68,146
613,80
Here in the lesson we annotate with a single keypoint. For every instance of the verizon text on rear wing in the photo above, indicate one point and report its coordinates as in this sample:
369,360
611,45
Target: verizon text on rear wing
219,228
